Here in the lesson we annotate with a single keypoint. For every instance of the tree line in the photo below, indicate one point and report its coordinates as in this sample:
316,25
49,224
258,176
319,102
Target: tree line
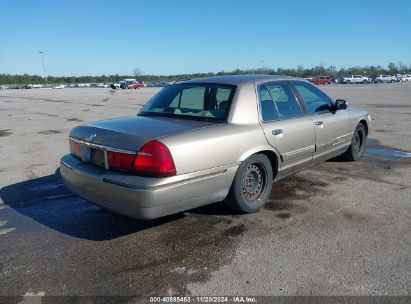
299,71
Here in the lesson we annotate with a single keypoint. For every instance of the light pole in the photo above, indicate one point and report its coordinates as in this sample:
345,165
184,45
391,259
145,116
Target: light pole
44,65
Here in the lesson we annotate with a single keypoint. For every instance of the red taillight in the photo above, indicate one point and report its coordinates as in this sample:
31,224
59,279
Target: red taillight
75,148
154,159
120,161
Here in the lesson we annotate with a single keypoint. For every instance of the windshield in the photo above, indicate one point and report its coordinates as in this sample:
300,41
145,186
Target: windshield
209,102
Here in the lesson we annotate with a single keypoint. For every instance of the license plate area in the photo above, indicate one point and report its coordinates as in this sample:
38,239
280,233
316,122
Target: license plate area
85,153
98,157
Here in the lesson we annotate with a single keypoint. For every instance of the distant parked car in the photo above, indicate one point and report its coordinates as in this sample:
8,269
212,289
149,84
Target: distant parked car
372,79
397,77
338,79
136,85
4,87
383,78
406,77
102,85
321,80
61,86
115,86
355,79
162,84
33,86
126,82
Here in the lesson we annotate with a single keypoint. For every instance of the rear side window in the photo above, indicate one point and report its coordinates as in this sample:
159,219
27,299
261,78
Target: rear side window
191,98
222,97
317,102
278,102
268,109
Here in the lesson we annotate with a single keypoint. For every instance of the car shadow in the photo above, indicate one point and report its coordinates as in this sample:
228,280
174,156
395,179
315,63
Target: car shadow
219,208
49,202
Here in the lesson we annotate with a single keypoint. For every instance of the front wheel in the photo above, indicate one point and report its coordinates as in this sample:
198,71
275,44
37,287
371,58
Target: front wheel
357,147
252,184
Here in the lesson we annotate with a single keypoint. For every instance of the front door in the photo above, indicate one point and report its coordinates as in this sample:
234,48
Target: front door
331,127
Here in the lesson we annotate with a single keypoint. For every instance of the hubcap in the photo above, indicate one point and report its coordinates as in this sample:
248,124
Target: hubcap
254,181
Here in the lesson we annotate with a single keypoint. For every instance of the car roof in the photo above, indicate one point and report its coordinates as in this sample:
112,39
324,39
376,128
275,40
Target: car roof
239,79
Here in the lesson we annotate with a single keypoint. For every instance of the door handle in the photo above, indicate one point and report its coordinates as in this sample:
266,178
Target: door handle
319,123
277,131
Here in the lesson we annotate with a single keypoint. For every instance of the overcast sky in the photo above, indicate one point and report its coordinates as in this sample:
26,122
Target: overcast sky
170,37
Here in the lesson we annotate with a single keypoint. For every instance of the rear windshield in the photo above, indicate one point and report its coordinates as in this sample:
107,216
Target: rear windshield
208,102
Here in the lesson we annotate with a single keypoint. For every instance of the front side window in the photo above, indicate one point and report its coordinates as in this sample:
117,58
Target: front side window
209,102
278,102
317,102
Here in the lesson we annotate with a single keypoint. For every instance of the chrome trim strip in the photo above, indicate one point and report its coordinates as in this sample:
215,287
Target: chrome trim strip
348,134
184,181
97,146
327,144
143,154
66,164
291,153
340,142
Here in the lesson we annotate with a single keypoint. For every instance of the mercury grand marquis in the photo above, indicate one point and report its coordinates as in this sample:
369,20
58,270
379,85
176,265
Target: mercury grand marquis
226,138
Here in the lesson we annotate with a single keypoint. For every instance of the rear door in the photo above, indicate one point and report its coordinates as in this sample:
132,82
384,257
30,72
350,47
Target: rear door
285,126
331,127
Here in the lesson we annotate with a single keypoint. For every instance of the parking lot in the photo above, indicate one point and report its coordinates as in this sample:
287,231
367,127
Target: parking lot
339,228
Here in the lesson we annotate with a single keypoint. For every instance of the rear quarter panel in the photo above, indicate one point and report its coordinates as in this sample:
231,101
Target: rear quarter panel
215,146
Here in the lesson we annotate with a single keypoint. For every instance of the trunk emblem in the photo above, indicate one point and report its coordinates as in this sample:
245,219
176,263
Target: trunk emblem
92,136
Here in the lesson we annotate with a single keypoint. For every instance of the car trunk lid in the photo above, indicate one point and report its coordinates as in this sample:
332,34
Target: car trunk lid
131,133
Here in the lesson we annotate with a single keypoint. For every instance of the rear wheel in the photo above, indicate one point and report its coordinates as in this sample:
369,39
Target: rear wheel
252,184
357,147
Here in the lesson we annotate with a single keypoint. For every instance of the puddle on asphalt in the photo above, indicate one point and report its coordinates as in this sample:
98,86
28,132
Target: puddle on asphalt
386,152
374,147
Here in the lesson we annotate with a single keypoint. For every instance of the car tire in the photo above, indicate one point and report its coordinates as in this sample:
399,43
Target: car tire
364,82
252,184
357,147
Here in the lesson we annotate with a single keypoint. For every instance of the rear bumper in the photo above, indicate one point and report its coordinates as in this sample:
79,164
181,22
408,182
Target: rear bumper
145,197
